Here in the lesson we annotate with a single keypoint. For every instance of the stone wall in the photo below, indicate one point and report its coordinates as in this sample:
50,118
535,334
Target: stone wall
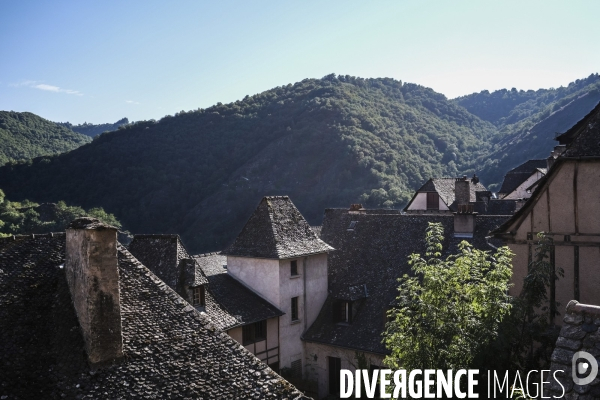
579,334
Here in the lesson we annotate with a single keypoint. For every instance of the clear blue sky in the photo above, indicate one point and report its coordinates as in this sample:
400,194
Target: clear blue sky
98,61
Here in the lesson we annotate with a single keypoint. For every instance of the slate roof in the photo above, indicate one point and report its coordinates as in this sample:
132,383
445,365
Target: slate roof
170,349
445,188
277,230
496,207
584,138
162,254
520,174
365,267
232,296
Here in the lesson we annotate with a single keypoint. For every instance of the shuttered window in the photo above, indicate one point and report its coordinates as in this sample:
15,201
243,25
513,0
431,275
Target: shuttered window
433,201
199,296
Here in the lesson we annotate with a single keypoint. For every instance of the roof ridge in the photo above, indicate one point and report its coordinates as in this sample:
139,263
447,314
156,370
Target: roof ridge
31,236
214,253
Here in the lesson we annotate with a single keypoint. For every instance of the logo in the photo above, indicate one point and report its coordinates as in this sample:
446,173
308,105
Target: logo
581,367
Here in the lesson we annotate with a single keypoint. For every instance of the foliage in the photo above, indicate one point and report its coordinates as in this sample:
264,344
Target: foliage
325,142
25,135
27,217
451,308
94,130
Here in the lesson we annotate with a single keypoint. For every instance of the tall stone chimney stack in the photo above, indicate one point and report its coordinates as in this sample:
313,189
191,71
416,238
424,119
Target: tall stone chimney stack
462,191
92,273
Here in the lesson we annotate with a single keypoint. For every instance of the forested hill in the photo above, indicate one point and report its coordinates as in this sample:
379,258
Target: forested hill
528,121
26,135
92,130
325,142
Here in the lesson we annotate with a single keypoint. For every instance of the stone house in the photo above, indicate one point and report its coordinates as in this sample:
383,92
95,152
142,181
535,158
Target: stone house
278,256
81,317
565,205
371,253
204,283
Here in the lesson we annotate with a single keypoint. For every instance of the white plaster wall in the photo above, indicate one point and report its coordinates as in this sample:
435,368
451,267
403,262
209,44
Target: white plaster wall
420,203
259,274
236,334
316,363
290,331
520,192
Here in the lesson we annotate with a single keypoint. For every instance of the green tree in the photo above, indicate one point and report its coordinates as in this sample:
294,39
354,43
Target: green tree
450,309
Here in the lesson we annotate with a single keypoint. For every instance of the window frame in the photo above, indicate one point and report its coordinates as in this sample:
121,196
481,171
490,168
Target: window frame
433,197
249,332
295,314
342,312
199,296
294,268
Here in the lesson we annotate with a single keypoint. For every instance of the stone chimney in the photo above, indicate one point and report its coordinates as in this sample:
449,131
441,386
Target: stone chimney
462,191
92,273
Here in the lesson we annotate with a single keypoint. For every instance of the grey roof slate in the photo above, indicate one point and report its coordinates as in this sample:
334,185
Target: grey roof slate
583,139
521,173
170,349
445,188
496,207
374,255
276,230
232,296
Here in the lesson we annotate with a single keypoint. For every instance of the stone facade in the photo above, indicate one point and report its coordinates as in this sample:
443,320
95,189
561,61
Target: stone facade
579,334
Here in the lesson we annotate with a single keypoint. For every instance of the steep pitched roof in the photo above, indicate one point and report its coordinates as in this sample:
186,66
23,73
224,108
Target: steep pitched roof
242,305
277,230
170,349
520,174
366,264
585,136
445,188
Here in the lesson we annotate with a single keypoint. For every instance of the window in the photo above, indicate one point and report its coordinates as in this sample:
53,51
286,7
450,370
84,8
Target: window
343,311
255,332
352,225
297,369
294,268
198,296
433,201
294,309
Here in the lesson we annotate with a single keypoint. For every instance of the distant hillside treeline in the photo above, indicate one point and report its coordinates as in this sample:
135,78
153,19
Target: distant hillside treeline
27,217
25,135
325,142
92,130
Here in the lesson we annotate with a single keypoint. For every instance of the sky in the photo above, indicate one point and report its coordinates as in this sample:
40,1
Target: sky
99,61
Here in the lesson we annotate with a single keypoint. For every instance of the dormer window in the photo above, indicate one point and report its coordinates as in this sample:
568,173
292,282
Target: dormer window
343,312
433,201
198,296
294,268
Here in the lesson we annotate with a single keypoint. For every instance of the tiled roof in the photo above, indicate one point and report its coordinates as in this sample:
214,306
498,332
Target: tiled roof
496,207
366,265
162,254
234,298
277,230
520,174
584,137
445,188
170,349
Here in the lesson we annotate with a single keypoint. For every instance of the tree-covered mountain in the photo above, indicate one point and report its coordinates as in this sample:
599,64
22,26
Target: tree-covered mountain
92,130
24,135
528,121
325,142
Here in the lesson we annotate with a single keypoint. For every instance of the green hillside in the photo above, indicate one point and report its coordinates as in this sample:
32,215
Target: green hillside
25,135
528,121
325,142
